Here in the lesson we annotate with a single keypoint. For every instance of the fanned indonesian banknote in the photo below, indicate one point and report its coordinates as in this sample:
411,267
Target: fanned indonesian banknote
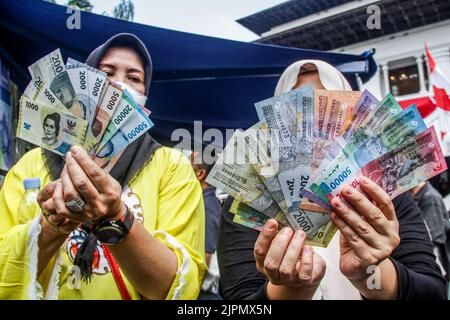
75,104
315,142
414,160
368,143
235,176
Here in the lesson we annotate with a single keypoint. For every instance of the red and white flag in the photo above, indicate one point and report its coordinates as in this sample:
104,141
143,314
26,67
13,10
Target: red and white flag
440,116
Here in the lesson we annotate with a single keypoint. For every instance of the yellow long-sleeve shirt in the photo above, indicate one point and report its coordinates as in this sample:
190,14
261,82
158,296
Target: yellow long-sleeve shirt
165,196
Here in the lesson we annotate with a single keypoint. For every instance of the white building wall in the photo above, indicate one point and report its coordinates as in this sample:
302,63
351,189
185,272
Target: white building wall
403,45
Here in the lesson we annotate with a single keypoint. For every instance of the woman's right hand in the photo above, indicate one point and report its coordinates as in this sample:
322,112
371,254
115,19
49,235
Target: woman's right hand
52,220
293,269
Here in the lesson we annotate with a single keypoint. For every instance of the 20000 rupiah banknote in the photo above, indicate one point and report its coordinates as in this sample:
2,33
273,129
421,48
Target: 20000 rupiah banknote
129,132
279,115
235,176
128,110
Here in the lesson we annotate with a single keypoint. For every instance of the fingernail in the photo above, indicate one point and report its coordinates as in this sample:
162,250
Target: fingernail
270,225
68,155
75,149
348,190
337,203
307,249
286,231
300,234
365,180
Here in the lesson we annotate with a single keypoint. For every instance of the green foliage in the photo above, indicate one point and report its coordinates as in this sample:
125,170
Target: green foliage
84,5
124,10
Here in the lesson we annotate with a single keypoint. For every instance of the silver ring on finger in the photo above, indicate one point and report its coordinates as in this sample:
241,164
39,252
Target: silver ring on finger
76,205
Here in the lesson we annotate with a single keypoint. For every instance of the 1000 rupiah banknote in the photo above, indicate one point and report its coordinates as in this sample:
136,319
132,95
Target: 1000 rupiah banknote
48,127
39,92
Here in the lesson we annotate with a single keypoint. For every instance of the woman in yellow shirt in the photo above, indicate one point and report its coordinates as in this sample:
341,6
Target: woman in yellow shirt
151,198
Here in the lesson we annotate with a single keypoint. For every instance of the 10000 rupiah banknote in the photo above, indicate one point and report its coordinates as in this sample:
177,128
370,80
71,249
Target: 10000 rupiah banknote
48,127
52,71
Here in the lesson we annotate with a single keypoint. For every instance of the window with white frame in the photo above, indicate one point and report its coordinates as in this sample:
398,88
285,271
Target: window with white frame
404,76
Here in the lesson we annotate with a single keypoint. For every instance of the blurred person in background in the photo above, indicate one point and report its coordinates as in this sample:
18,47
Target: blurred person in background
437,221
210,286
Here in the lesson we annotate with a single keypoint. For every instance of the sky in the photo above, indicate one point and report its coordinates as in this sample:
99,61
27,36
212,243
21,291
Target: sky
206,17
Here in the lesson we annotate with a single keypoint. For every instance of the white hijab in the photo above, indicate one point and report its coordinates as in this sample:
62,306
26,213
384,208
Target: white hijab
334,285
330,77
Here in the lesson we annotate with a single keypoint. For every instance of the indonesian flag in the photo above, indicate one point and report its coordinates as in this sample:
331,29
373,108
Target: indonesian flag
440,116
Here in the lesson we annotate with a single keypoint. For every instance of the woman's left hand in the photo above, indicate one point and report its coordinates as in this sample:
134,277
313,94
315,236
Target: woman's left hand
369,232
101,192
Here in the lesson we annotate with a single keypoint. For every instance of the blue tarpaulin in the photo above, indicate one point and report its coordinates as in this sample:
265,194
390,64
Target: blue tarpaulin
195,77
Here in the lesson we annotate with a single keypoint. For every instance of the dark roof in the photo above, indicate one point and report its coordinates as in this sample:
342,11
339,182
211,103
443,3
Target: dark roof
267,19
350,27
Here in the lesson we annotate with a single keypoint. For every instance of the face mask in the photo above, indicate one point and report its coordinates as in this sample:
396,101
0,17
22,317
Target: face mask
137,96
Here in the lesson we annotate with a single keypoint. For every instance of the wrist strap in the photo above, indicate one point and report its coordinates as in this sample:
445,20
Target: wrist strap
116,274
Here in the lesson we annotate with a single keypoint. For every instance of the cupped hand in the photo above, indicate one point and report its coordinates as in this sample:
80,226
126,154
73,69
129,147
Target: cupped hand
369,228
284,259
82,177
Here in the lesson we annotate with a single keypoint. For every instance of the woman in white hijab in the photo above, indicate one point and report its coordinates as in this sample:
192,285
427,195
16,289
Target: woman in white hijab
322,75
359,262
304,71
